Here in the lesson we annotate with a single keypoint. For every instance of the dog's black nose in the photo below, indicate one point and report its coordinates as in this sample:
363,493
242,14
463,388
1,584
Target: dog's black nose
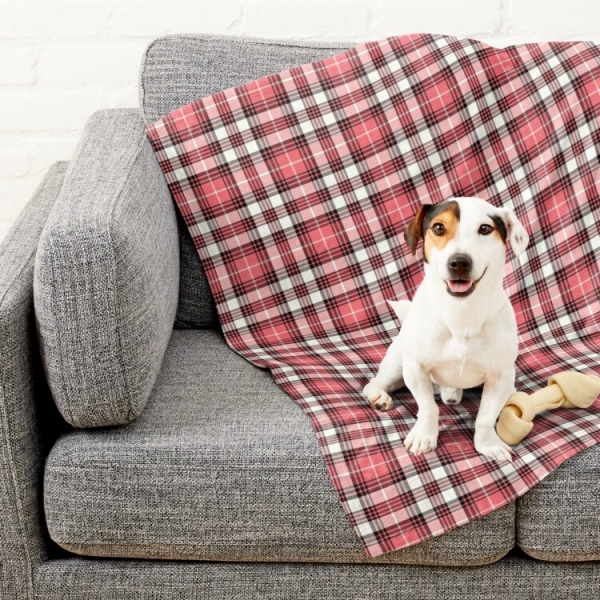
460,265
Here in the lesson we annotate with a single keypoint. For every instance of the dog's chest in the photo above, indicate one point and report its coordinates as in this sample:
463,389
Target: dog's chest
460,362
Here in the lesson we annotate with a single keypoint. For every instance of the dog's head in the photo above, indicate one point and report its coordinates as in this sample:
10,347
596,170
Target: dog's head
464,240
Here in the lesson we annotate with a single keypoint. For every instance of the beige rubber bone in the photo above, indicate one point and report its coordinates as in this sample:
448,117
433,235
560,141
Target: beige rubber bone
569,389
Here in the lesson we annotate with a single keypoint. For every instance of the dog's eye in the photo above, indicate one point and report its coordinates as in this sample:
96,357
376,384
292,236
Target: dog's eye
485,229
438,229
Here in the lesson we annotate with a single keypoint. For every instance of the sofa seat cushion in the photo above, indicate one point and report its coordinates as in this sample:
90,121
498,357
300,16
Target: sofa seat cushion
559,520
221,465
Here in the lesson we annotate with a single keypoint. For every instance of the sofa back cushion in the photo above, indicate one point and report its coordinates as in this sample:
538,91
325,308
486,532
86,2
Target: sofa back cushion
106,275
179,69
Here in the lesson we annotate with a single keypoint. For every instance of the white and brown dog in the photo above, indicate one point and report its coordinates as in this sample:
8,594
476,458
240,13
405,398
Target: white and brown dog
460,330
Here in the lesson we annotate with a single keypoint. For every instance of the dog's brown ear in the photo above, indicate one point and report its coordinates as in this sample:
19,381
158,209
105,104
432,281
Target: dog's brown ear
414,230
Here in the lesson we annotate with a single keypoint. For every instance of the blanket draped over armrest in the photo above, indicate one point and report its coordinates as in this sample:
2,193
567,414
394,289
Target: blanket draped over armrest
296,189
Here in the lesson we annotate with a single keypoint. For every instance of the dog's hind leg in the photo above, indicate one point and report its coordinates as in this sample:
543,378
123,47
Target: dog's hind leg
451,395
388,379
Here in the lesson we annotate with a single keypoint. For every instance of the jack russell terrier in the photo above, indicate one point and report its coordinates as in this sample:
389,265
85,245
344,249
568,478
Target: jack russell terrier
460,330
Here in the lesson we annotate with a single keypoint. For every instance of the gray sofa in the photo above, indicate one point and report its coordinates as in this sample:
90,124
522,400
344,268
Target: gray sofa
141,458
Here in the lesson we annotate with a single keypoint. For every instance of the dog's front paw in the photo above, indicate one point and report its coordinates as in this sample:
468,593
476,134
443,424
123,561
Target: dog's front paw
378,398
422,438
489,444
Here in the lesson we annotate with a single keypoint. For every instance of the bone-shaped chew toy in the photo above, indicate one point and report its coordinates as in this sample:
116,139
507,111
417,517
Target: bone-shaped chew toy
569,389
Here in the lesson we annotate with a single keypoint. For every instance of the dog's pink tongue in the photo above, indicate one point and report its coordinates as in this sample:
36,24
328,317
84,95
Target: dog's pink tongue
459,287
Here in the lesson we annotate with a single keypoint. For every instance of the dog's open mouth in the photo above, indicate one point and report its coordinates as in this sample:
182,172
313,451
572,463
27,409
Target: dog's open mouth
461,288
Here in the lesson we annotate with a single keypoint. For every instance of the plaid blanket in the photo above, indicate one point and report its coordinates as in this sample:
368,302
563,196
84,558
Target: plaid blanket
296,189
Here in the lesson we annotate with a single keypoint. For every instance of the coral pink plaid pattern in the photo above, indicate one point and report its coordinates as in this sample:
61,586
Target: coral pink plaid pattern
296,189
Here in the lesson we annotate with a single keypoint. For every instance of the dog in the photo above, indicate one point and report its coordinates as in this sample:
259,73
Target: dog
460,330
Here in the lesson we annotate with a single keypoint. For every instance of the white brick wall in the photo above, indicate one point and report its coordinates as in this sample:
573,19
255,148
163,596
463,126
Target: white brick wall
60,60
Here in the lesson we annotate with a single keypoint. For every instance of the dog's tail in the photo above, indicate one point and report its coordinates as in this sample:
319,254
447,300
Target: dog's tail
400,307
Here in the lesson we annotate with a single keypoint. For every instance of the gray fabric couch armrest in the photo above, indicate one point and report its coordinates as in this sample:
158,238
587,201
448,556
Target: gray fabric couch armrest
23,393
106,279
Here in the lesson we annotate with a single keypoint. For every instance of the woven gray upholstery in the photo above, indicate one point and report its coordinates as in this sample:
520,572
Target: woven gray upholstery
559,519
196,307
107,275
221,465
179,69
509,579
24,399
